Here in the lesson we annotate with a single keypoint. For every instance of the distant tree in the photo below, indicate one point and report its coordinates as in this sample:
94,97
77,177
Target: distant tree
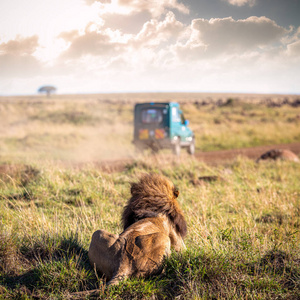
48,89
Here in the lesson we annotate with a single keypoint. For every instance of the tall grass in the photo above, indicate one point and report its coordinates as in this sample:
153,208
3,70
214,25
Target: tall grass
243,218
243,239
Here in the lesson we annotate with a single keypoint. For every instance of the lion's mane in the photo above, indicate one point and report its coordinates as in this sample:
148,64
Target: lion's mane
151,196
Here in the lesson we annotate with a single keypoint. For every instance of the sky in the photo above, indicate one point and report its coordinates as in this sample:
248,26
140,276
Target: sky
111,46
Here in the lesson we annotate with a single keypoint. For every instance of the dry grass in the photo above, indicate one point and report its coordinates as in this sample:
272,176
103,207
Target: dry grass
243,224
87,128
243,238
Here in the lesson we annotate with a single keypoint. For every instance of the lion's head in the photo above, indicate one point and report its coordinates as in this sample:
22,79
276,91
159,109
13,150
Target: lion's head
152,195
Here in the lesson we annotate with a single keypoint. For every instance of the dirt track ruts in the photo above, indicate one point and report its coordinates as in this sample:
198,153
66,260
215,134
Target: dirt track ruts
212,157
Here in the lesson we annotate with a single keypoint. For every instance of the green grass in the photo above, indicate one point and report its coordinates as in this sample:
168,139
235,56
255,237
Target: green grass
243,237
243,240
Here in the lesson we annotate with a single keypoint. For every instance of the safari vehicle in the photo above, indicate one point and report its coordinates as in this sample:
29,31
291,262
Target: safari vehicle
162,125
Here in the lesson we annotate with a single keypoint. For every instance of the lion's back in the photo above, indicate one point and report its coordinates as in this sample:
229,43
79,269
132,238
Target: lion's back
146,245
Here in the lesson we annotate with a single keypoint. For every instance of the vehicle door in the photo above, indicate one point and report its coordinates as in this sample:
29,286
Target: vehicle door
178,124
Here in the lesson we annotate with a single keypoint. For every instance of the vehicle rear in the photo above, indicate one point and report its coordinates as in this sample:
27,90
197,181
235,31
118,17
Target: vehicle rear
151,126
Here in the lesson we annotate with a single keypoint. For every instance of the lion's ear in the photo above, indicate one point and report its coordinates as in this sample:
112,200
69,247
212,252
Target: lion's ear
134,188
176,192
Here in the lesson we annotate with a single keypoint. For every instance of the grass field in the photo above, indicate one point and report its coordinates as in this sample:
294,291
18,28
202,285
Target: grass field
243,228
87,128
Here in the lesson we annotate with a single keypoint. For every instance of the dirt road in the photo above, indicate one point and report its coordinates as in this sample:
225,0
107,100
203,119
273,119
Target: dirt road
254,152
213,157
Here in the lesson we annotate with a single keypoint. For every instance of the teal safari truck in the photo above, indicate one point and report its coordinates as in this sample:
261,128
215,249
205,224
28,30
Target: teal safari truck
162,125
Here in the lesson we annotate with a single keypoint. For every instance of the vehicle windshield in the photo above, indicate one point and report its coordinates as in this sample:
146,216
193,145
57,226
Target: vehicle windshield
152,116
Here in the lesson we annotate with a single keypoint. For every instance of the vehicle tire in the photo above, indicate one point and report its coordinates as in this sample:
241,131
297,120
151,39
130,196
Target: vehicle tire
191,147
177,148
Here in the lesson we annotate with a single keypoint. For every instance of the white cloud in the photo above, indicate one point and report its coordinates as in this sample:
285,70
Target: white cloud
92,43
90,2
16,57
20,46
101,41
241,2
210,38
155,32
163,53
155,7
95,40
293,49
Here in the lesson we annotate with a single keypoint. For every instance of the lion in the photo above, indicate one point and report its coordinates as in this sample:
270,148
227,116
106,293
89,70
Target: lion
153,224
279,154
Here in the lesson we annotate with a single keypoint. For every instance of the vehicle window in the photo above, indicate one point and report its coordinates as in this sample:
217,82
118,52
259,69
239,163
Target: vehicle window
152,116
182,119
175,115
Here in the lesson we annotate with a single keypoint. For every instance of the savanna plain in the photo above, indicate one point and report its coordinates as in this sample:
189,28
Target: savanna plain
243,237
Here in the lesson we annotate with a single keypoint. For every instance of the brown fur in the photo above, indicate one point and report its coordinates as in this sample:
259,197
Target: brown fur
279,154
151,196
153,224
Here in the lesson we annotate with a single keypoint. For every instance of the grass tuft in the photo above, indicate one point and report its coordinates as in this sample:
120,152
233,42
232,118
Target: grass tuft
20,175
